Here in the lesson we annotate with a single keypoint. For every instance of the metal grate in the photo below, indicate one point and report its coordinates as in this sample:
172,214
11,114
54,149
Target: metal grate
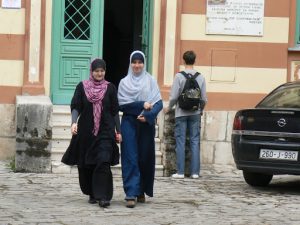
77,19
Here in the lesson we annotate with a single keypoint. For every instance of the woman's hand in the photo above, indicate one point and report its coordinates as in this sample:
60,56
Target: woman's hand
141,118
118,138
148,106
74,128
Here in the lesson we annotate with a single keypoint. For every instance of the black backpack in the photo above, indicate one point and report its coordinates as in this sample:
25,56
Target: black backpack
190,97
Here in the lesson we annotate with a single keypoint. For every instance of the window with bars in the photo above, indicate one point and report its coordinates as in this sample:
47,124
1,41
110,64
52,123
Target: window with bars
77,19
297,37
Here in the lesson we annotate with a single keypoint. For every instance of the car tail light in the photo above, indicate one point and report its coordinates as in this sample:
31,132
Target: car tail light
237,123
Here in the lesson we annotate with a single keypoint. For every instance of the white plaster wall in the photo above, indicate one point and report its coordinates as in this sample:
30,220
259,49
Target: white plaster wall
12,21
34,42
48,37
170,42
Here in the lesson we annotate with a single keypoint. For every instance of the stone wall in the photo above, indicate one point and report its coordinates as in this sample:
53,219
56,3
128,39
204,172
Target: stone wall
215,144
7,131
33,134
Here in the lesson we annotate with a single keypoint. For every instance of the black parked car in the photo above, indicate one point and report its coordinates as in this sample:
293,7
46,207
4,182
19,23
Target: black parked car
266,140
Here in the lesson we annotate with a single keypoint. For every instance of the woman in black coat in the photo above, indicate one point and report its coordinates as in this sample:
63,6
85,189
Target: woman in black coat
95,128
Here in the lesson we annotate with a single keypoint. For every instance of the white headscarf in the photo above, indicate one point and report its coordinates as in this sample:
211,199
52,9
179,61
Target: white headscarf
138,87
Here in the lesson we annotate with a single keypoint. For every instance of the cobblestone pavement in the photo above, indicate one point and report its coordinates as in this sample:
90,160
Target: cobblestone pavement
220,196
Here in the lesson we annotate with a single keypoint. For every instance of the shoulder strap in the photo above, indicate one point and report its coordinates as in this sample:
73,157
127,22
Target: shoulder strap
196,75
187,76
184,74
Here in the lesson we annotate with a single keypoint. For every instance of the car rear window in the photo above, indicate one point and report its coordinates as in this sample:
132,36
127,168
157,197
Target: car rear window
285,97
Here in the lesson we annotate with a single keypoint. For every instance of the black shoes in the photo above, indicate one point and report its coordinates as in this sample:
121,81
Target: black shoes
141,198
92,200
104,203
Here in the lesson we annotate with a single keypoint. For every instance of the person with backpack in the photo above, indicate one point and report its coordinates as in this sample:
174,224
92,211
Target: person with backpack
188,95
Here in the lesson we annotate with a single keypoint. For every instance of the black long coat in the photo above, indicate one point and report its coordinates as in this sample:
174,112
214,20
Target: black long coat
85,149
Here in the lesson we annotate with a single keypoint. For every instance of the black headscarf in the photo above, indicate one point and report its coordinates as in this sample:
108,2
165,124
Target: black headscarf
98,63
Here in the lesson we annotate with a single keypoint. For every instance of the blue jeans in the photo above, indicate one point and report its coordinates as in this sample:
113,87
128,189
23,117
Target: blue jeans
192,123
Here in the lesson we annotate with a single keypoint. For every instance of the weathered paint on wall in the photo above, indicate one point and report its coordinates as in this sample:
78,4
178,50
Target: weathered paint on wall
231,64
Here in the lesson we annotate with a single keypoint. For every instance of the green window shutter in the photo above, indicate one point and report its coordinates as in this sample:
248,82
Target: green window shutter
297,37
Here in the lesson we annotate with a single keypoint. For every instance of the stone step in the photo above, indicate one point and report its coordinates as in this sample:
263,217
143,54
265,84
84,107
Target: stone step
63,143
62,128
56,155
159,170
61,135
63,131
66,110
61,122
60,168
61,109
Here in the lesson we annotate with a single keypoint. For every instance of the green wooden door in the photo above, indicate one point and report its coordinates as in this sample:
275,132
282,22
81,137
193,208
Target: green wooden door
77,29
147,31
297,33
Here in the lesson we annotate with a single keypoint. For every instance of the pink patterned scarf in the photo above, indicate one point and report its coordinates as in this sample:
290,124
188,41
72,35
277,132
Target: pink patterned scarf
95,91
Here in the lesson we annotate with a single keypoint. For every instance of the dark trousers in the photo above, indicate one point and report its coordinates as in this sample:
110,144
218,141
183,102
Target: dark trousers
97,181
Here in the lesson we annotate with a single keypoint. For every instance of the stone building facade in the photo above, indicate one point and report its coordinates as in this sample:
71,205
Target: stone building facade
46,47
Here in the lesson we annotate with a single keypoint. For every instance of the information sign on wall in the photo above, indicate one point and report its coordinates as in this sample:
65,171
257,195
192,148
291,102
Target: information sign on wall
235,17
12,4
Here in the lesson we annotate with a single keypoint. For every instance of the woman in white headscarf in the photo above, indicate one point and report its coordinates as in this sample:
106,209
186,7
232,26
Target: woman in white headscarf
140,101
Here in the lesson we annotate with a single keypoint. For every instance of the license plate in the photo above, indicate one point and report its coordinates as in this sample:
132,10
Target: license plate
278,154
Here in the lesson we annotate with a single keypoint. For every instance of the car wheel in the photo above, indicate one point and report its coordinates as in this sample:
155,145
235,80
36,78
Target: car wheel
257,179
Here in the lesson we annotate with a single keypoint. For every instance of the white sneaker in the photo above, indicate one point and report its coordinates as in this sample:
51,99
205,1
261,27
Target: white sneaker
195,176
178,176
